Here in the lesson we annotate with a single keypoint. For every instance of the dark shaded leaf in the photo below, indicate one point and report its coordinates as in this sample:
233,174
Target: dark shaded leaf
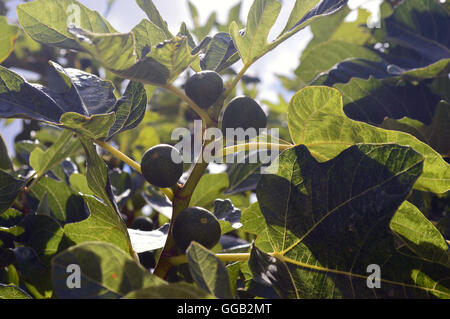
372,100
129,109
10,187
5,161
418,25
229,216
208,271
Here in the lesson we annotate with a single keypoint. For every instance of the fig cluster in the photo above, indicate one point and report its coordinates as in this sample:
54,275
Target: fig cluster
205,88
162,165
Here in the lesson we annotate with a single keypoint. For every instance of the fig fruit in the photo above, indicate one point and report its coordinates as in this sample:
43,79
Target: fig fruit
162,165
196,224
204,88
243,112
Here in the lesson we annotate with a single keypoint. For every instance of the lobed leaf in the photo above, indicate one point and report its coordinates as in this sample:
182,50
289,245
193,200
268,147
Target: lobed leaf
104,223
327,223
316,119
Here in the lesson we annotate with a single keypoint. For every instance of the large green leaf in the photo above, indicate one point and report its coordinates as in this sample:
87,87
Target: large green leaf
208,271
317,120
105,222
106,272
327,223
8,36
47,21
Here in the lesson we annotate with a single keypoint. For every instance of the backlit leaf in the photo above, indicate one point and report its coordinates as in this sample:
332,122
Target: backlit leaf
316,119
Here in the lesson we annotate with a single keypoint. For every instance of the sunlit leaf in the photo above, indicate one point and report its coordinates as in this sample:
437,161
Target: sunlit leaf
47,21
261,18
316,119
12,292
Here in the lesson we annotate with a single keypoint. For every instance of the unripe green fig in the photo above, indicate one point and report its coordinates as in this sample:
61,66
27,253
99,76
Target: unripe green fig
142,223
204,88
162,165
196,224
243,112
